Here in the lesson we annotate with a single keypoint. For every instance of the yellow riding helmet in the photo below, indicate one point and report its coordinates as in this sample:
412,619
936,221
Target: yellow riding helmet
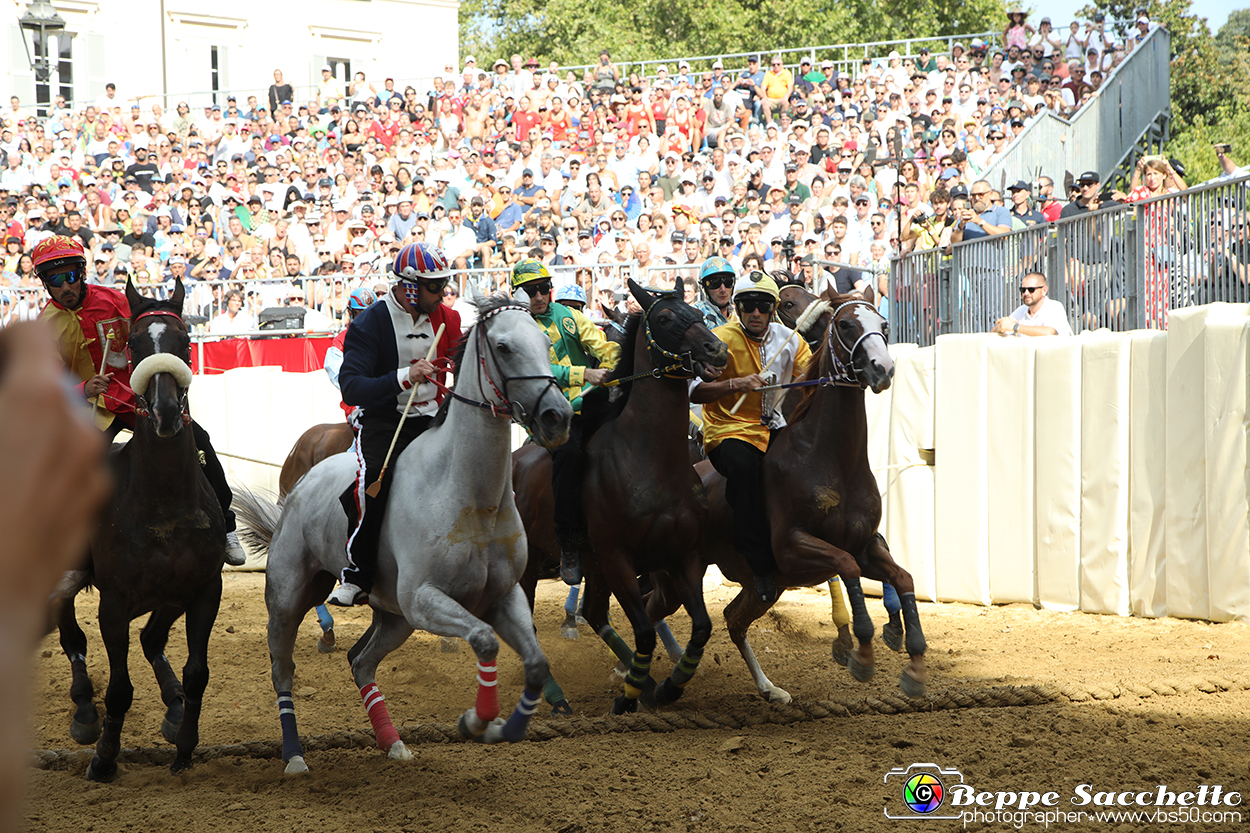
529,270
756,283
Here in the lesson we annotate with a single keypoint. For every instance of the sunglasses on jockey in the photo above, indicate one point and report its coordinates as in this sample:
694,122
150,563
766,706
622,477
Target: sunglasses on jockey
717,281
763,305
71,276
536,288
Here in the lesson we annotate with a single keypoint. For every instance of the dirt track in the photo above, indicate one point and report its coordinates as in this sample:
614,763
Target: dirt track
1131,704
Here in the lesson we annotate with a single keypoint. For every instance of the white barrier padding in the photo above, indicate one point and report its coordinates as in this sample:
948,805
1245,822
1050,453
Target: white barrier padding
1104,384
1147,469
909,481
1227,478
961,476
1185,449
1009,439
1057,473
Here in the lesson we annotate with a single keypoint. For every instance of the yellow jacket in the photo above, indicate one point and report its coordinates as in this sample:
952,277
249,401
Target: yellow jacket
762,410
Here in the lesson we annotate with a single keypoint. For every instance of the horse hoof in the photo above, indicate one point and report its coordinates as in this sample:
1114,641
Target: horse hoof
85,733
561,708
296,766
179,765
569,631
667,693
495,732
101,772
910,685
892,636
625,705
580,619
449,644
466,729
399,752
842,646
858,670
169,730
325,644
777,696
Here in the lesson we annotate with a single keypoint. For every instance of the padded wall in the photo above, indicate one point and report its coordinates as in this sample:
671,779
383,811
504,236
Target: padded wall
961,474
1227,343
1010,432
1147,471
908,482
1104,383
1057,473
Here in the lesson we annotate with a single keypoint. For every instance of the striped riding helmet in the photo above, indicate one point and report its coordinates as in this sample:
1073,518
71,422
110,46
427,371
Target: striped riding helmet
421,262
361,298
530,269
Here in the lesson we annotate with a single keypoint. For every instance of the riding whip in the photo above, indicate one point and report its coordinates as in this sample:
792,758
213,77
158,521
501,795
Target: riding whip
376,486
104,360
814,310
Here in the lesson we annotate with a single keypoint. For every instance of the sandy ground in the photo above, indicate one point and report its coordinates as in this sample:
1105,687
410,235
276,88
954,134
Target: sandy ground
1108,730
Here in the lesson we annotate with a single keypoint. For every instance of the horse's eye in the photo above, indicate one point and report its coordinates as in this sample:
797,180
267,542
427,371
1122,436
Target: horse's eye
503,347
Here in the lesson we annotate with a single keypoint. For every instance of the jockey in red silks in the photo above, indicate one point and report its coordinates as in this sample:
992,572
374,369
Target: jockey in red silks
384,355
360,300
91,325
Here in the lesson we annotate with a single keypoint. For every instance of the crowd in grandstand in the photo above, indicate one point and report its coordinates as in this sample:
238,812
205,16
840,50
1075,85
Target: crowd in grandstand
250,199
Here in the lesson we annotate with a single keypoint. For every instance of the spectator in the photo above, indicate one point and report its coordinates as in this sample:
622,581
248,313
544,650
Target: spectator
233,319
1037,315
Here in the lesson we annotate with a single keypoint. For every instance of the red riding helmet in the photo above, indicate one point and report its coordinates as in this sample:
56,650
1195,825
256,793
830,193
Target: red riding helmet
52,251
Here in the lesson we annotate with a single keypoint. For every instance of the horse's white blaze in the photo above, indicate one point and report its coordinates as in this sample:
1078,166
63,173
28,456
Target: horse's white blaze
155,330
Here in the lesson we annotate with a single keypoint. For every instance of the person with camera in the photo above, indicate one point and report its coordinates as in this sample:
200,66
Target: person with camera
1229,168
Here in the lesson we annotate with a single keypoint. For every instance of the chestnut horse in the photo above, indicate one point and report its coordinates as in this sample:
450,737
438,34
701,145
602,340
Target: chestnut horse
823,503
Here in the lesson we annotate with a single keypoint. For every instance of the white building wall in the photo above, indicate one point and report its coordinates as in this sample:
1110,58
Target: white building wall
120,41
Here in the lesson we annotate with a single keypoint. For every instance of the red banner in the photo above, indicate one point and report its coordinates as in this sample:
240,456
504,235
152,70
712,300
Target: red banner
294,354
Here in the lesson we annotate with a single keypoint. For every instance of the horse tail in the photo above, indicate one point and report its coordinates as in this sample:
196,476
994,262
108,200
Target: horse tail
259,518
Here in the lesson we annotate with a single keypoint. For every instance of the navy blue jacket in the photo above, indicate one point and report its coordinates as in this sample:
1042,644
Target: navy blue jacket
369,375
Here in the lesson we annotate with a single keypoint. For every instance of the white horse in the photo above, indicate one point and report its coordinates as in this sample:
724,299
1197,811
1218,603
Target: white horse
452,546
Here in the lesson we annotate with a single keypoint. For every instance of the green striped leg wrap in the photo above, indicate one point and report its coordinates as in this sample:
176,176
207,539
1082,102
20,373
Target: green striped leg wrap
685,669
623,652
639,669
552,692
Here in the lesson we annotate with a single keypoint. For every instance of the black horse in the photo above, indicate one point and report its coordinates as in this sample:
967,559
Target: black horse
159,548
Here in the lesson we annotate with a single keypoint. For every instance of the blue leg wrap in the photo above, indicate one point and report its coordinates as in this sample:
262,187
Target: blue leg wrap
889,598
519,720
324,618
290,737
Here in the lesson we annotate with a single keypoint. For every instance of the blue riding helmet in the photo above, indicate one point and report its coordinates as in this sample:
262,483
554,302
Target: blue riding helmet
361,298
716,266
570,292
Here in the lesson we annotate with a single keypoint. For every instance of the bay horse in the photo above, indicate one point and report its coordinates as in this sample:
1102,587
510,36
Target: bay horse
644,504
159,548
823,503
452,545
313,446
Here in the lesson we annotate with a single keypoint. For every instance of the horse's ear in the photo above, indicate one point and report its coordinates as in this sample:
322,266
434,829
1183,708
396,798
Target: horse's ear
132,296
474,294
642,296
180,293
680,288
869,295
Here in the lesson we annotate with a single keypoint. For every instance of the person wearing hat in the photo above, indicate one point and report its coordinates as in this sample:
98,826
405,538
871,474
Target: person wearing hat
384,354
1086,195
91,325
574,341
775,89
736,442
1023,212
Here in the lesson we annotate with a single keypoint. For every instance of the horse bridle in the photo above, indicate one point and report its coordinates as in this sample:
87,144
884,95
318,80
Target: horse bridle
504,406
141,403
844,372
683,363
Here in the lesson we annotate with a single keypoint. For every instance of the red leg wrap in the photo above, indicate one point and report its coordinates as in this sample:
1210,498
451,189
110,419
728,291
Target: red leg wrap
487,691
375,707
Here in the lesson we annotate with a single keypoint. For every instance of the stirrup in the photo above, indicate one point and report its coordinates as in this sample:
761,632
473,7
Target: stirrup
347,595
235,556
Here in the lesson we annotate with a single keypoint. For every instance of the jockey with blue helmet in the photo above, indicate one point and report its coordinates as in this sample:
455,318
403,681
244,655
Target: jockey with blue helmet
717,277
384,356
574,340
572,296
360,300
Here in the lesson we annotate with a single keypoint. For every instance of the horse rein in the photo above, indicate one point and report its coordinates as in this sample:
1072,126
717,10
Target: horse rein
683,362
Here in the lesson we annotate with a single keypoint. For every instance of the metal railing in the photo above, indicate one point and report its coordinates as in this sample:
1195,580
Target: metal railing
1103,134
1119,268
846,57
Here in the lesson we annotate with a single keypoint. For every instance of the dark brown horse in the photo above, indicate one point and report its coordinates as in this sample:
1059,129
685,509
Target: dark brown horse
313,446
823,502
643,501
159,548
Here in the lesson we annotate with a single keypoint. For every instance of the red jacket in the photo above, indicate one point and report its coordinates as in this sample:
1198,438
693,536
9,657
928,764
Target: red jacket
81,336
